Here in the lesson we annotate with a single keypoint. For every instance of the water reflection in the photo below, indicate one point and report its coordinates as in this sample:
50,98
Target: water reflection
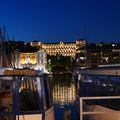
64,90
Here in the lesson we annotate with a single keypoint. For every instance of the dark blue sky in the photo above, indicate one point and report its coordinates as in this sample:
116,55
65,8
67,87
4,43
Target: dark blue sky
61,20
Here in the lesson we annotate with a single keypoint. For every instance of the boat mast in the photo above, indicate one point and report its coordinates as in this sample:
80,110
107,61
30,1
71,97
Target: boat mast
3,57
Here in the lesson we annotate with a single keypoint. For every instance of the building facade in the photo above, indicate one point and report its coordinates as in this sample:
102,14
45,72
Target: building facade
35,60
99,54
62,48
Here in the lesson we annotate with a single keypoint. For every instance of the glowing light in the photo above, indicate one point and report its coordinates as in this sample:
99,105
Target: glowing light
20,72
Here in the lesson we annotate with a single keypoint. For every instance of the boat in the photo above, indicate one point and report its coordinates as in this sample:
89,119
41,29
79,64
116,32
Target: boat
25,94
99,93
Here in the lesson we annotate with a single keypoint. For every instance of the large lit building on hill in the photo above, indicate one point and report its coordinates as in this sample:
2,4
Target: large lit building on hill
81,53
62,48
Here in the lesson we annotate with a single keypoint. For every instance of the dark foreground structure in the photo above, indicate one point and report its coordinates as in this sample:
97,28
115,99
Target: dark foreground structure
99,93
25,94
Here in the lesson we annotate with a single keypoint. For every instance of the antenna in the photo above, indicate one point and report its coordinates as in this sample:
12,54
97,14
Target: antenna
85,32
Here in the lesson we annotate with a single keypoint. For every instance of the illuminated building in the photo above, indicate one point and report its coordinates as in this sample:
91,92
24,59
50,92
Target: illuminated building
36,60
94,55
62,48
30,58
85,55
103,54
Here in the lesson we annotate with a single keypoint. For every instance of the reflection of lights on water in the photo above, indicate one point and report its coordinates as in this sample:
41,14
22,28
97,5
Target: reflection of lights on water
110,85
64,94
87,81
111,89
104,85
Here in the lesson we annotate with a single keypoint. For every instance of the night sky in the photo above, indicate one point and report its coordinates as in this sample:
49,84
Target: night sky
61,20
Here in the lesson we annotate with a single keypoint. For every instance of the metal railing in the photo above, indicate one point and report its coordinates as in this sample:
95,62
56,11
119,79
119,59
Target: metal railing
82,112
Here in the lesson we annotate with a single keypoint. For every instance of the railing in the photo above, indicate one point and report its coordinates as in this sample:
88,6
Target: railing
110,112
